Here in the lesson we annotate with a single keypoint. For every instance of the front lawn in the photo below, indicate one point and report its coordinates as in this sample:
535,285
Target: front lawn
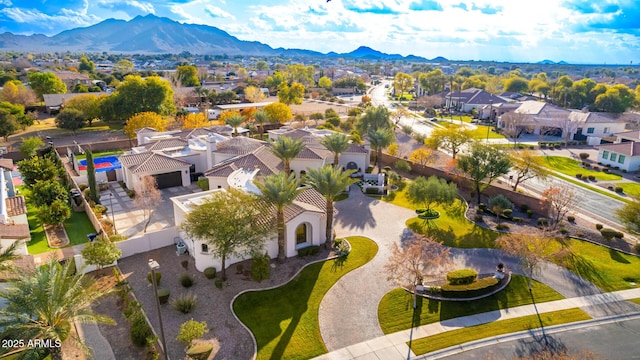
481,133
609,269
395,311
572,167
524,323
632,189
77,228
284,320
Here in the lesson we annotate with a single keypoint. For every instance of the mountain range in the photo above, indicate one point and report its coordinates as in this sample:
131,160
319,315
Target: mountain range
151,34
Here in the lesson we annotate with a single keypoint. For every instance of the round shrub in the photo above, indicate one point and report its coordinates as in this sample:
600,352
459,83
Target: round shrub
636,248
462,276
543,221
163,295
219,283
200,352
619,190
571,218
517,219
599,226
210,272
579,176
564,231
524,208
608,234
260,269
186,280
502,227
482,206
477,288
583,156
592,178
507,213
529,214
158,277
82,186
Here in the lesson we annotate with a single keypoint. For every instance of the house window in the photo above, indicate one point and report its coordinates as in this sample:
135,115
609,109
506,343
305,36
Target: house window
613,157
301,234
590,130
606,130
621,159
605,155
205,248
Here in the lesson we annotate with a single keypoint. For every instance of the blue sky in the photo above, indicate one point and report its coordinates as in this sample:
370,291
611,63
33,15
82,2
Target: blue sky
577,31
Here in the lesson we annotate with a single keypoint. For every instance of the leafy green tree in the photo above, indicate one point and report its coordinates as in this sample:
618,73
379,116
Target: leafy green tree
298,73
15,92
432,82
91,177
123,66
262,65
274,81
37,168
290,94
452,139
402,83
499,204
227,222
380,139
483,163
434,190
46,83
87,65
629,215
187,75
70,119
136,95
29,146
280,190
516,84
337,143
374,118
54,214
44,303
235,120
101,252
286,149
8,124
88,104
45,192
80,88
330,181
350,82
278,112
191,330
527,166
324,82
18,114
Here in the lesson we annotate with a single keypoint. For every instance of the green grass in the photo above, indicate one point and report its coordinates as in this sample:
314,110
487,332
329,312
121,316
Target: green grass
637,301
630,188
609,269
284,320
599,190
464,335
452,228
395,311
77,228
481,133
98,154
571,167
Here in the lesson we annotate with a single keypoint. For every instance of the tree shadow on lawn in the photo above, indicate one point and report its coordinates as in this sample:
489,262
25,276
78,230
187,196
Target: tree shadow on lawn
454,309
582,267
617,257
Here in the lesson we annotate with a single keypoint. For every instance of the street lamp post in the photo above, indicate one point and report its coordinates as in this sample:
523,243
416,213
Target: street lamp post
490,116
153,266
113,215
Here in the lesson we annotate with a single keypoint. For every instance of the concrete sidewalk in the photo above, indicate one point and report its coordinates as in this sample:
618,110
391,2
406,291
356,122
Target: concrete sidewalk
394,346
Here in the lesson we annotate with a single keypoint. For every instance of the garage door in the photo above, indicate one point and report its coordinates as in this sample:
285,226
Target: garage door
169,179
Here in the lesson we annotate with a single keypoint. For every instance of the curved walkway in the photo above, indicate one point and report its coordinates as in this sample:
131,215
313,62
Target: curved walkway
349,311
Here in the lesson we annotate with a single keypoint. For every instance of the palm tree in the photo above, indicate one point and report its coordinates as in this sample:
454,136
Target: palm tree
7,256
261,118
44,303
373,119
329,181
337,143
286,149
280,190
380,139
234,121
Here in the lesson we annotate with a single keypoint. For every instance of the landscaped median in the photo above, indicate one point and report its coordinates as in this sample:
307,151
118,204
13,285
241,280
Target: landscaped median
284,320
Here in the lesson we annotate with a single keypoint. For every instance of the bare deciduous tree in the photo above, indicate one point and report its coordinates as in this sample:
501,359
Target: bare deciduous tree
531,250
514,125
148,197
416,259
568,127
527,166
560,200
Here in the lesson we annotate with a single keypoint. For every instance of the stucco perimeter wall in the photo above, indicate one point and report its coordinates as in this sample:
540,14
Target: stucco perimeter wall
147,242
493,190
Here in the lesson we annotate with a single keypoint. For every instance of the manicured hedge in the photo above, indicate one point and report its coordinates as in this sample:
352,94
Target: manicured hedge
477,288
309,250
462,276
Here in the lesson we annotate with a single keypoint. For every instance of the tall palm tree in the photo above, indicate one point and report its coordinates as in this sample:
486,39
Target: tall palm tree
380,139
330,181
7,255
280,190
286,149
235,121
44,303
373,119
261,117
337,143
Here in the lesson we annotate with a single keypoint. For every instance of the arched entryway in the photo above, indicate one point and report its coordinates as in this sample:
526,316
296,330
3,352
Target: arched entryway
303,235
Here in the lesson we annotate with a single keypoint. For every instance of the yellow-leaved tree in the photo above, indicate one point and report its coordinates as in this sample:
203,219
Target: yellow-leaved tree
194,121
222,119
278,112
144,119
254,94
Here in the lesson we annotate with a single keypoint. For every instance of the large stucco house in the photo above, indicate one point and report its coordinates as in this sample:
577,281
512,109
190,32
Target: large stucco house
624,153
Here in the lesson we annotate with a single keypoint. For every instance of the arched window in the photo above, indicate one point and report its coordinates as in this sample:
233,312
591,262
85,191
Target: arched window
301,234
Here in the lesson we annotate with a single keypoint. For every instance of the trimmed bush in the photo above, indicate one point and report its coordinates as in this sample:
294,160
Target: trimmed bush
619,235
218,283
529,214
260,269
636,248
186,280
564,231
579,176
619,190
517,219
477,288
462,276
82,186
608,234
309,250
210,272
543,221
200,352
592,178
524,208
583,156
158,277
571,218
163,295
502,227
184,303
507,213
372,191
599,226
482,206
140,329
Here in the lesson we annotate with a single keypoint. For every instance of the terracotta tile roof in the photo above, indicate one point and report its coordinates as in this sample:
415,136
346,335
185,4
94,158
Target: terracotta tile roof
16,205
188,133
145,130
591,117
635,135
356,148
167,144
261,158
16,231
297,134
628,148
239,145
149,161
6,164
311,152
308,200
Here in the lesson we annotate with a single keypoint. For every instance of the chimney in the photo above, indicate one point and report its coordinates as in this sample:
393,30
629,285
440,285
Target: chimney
210,140
4,216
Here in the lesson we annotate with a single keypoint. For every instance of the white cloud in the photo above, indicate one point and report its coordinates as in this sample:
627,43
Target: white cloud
67,19
217,12
124,5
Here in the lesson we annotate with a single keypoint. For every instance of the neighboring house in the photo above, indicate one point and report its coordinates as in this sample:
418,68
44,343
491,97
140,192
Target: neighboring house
595,127
168,171
472,98
13,212
496,110
625,155
305,221
71,78
539,118
55,102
